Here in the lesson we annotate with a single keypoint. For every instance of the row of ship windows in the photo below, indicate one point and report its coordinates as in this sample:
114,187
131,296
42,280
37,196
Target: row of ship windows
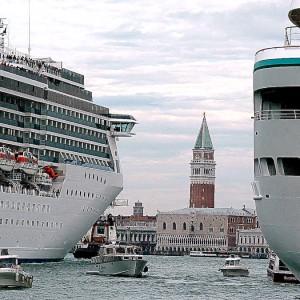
31,223
84,194
53,139
76,114
71,142
94,177
59,110
36,122
286,166
24,206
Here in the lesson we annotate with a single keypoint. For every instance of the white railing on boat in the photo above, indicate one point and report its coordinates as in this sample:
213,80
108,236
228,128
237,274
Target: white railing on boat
283,114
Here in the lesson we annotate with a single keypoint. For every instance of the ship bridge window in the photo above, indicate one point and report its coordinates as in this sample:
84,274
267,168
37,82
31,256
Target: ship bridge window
281,99
289,166
267,166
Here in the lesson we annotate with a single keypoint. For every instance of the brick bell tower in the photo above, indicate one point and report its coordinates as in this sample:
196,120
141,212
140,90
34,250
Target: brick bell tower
202,179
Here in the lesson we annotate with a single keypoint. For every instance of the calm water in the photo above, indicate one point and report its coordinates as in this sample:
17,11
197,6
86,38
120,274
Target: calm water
168,278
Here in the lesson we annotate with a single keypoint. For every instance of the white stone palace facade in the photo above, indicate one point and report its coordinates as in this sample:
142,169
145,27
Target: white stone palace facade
206,229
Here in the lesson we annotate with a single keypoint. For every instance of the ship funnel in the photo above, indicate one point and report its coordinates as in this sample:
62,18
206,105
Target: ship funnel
294,13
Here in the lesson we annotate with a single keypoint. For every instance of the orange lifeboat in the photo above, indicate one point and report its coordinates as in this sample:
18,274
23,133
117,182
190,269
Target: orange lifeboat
50,172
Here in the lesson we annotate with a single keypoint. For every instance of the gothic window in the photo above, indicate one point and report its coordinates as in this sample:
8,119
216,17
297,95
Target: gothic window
164,226
192,228
201,226
184,226
174,226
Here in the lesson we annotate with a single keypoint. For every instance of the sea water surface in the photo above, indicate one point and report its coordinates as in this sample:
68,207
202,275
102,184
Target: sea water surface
168,278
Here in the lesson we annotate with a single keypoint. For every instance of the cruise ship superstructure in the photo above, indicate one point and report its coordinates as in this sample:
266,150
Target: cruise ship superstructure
276,85
59,163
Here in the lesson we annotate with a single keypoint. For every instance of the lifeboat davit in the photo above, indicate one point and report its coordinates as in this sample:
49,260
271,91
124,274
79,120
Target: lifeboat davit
7,159
27,163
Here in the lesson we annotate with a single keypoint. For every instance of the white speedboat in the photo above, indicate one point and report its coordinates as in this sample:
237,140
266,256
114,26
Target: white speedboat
276,186
232,267
278,271
118,260
12,274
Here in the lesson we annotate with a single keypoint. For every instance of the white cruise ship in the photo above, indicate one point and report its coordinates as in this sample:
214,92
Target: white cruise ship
276,187
59,164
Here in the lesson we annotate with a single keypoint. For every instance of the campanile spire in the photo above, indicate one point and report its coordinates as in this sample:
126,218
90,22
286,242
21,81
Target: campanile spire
202,178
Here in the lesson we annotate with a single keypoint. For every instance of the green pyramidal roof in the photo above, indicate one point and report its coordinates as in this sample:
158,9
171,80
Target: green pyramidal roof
203,140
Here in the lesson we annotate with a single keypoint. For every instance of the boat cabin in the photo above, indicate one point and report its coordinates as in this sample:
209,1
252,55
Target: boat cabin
232,261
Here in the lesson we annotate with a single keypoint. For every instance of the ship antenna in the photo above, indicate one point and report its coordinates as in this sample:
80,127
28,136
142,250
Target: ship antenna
29,49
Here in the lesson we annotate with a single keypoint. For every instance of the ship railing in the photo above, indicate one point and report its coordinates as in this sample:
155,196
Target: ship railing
292,36
281,114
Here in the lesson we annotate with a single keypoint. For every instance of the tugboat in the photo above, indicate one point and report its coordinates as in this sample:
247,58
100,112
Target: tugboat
103,231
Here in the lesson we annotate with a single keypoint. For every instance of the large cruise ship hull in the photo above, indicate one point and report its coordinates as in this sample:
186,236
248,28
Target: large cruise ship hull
277,150
45,229
59,163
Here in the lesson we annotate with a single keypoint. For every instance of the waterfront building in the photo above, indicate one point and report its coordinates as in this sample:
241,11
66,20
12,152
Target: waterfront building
253,242
202,178
203,229
137,229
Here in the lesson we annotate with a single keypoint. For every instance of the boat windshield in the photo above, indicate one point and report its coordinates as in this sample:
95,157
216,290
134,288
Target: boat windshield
7,263
231,262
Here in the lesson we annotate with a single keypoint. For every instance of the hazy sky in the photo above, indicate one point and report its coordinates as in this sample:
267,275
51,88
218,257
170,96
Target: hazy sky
165,63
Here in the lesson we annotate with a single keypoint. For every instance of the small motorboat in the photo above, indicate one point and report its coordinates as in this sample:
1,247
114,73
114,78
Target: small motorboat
118,260
233,268
12,274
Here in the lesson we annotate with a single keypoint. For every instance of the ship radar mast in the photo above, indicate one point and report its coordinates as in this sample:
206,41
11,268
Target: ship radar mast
294,13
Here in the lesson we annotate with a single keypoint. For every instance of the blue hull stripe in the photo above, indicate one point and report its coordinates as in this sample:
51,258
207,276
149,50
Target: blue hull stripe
277,62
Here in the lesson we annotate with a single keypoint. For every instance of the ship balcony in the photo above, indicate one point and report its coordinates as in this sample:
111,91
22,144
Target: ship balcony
280,114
